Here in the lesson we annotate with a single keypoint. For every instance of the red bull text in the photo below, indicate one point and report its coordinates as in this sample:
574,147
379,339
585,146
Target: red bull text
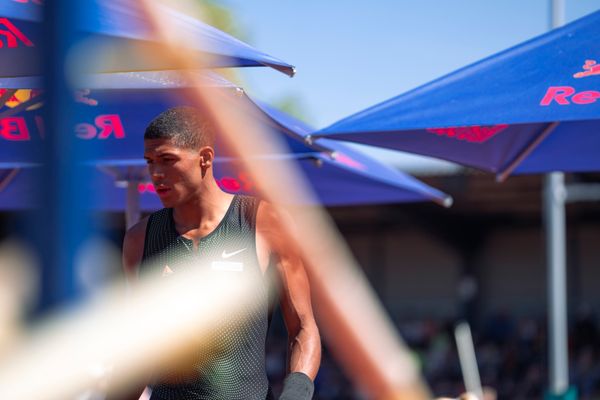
104,127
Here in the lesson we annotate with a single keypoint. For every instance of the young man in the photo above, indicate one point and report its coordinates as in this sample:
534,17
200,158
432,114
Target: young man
201,222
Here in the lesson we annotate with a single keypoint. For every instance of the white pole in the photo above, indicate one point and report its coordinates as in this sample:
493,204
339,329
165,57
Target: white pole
557,15
468,361
554,210
132,211
555,226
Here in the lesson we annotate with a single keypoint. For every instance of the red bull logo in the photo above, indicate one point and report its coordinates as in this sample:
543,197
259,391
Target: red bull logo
104,127
14,129
591,67
21,96
471,134
82,96
241,183
146,187
12,35
567,95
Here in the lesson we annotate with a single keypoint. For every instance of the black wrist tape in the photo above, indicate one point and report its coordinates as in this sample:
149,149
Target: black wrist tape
297,386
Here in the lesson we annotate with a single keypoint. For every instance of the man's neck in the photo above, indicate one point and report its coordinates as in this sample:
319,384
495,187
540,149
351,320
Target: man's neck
200,215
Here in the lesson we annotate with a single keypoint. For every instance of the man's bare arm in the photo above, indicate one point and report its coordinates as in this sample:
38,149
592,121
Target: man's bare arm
304,343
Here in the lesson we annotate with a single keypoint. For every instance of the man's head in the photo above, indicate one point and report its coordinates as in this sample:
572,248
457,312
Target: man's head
184,126
178,147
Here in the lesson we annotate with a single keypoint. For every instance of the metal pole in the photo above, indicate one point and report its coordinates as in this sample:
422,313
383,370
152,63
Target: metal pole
132,212
557,14
554,211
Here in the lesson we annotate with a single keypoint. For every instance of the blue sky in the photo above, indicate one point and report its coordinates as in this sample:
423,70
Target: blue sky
353,54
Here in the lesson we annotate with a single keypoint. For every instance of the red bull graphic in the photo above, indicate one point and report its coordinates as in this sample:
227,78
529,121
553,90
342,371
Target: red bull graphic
566,95
11,35
471,134
591,67
14,129
81,96
146,187
104,127
21,96
241,183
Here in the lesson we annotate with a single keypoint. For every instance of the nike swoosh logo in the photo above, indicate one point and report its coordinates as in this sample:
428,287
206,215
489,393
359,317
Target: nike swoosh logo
225,254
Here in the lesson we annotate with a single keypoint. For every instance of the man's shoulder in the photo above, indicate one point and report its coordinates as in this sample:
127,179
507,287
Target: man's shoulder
266,214
136,234
275,224
133,245
269,215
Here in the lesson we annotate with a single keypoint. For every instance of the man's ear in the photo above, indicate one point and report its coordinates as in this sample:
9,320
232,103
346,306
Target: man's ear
207,156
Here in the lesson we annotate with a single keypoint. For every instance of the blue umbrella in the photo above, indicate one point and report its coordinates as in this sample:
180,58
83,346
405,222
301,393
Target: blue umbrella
355,177
113,113
501,114
340,176
122,38
117,108
530,109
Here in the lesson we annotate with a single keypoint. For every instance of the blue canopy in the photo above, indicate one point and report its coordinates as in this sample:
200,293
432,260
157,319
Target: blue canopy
338,174
118,107
123,40
113,114
355,178
499,114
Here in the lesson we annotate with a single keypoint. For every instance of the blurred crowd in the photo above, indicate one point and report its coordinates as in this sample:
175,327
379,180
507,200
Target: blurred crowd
512,356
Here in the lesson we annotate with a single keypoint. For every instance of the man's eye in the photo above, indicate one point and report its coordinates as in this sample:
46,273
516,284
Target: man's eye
148,161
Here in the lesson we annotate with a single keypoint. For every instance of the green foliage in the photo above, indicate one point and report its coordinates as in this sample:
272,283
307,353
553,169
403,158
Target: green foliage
218,14
293,105
221,17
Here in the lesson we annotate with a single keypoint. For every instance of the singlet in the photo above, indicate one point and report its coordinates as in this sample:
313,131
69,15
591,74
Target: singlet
236,370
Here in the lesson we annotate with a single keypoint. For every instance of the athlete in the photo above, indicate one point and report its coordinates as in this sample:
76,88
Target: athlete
220,231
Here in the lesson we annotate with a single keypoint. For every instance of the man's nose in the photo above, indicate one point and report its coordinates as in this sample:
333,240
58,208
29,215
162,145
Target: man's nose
156,172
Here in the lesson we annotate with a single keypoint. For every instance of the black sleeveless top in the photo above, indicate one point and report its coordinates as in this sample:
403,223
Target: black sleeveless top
235,367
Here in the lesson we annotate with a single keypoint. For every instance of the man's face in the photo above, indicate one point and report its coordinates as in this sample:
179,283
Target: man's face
175,171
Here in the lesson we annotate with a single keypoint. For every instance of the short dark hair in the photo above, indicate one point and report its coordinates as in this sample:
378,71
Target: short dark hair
185,126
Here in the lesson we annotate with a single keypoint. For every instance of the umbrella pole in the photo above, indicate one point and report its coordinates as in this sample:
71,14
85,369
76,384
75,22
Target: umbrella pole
554,212
132,212
5,180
